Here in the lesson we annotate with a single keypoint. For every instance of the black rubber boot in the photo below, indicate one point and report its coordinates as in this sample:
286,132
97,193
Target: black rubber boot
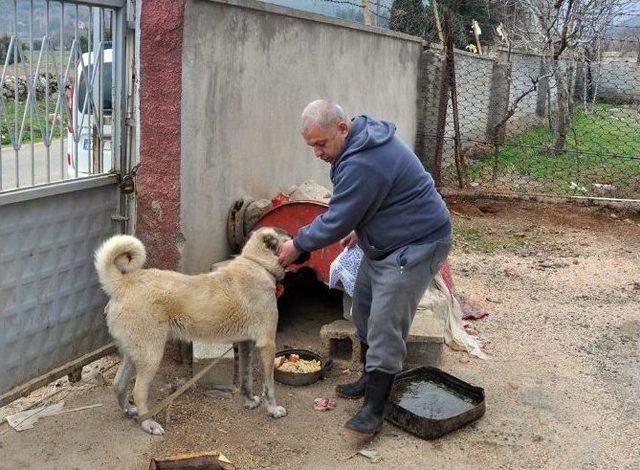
368,420
355,390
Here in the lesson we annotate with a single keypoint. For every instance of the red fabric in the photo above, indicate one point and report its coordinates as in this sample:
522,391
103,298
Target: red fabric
445,272
470,311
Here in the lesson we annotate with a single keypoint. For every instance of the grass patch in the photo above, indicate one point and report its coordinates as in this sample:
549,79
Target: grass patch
49,62
472,239
40,124
52,58
602,147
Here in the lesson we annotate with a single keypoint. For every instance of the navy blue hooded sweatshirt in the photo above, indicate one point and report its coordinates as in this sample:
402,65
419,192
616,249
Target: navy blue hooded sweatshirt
381,190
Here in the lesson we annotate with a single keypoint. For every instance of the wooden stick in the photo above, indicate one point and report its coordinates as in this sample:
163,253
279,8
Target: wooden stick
476,29
167,401
443,102
81,408
366,12
457,148
437,17
26,388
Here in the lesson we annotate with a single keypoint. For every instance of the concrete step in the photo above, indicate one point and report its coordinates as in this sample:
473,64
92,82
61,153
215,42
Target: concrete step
424,344
222,374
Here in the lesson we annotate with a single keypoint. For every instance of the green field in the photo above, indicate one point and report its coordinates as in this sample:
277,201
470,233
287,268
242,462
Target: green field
50,62
474,240
40,124
603,147
50,58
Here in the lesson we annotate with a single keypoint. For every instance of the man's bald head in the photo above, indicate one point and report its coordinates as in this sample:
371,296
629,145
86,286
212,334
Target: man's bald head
325,128
322,113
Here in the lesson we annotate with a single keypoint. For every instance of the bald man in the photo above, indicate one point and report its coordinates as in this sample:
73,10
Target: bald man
385,201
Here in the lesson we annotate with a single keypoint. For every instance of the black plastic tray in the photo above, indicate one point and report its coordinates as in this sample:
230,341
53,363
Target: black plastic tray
458,403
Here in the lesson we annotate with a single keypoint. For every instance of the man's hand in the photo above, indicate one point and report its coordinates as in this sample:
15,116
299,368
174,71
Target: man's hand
349,241
288,253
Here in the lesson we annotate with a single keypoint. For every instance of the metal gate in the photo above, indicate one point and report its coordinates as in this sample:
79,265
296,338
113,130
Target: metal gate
64,106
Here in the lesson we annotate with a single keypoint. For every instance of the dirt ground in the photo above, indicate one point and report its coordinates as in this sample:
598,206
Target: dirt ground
562,285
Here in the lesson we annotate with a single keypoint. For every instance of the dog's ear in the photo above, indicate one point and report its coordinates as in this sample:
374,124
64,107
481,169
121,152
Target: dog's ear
271,242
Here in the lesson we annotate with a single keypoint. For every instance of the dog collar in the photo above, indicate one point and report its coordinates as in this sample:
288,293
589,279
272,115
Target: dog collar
275,276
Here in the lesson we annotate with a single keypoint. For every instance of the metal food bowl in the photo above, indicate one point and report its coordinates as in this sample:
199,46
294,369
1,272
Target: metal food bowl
298,380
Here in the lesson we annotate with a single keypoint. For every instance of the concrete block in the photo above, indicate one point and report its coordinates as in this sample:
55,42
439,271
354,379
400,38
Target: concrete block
424,343
426,327
420,353
220,375
340,343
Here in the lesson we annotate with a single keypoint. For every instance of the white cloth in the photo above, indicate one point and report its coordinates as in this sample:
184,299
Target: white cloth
455,336
344,269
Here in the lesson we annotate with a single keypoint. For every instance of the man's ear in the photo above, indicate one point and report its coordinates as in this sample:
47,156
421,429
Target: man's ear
271,242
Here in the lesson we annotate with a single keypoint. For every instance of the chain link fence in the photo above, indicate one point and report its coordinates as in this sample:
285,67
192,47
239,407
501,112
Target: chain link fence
530,97
558,116
527,126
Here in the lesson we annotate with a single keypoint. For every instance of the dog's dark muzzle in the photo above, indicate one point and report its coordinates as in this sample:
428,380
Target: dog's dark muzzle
303,258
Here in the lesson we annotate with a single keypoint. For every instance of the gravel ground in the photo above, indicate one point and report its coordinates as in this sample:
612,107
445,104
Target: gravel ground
562,285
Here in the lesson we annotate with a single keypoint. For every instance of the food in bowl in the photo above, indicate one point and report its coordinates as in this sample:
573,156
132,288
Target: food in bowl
294,364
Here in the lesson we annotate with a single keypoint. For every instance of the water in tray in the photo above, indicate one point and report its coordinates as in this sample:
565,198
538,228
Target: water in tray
430,400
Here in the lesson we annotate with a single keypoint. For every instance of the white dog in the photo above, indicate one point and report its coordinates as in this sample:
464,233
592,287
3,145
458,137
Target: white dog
236,303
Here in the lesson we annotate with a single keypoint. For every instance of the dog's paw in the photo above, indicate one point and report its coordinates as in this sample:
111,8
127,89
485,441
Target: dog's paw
152,427
277,411
130,411
251,403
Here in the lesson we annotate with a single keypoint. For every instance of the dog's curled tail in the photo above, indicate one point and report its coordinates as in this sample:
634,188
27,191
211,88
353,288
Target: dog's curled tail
117,256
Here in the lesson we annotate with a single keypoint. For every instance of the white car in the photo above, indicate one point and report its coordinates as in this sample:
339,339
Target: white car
82,128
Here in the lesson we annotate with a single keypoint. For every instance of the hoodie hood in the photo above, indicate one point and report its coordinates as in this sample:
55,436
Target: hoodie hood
380,189
366,133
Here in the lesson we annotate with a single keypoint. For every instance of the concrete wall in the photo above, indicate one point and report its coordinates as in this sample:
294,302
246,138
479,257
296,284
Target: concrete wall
249,69
524,68
473,81
618,80
486,88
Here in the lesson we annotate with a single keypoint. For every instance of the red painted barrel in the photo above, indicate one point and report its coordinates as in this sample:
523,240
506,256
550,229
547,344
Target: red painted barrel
291,216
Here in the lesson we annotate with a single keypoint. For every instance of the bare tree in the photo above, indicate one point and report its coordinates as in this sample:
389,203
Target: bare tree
561,31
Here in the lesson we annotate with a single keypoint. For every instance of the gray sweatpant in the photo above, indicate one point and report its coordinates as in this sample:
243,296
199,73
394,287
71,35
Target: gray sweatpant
386,296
